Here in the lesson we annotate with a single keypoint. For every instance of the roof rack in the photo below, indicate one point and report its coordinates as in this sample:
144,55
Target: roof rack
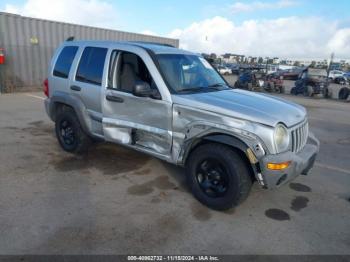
150,43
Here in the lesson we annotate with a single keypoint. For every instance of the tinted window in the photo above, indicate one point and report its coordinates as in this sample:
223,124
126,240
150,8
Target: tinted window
64,61
91,65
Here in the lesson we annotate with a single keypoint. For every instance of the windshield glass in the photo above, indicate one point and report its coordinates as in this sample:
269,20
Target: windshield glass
190,74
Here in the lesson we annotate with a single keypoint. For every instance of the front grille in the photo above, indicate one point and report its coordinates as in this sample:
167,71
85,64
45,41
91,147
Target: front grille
299,136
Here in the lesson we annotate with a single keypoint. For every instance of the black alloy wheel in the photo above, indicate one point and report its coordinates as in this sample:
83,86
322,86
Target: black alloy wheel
67,133
212,177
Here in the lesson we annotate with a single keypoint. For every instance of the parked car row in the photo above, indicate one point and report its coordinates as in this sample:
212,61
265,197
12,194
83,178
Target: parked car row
310,82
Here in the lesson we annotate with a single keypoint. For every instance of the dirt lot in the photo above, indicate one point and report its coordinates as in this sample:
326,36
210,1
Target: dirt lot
116,201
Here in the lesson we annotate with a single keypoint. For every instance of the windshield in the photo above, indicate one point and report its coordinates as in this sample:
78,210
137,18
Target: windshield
190,74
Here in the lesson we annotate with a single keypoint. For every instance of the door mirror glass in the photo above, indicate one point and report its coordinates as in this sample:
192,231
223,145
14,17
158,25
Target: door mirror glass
142,89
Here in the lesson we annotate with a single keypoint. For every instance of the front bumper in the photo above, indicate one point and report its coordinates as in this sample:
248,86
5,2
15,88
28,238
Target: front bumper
301,163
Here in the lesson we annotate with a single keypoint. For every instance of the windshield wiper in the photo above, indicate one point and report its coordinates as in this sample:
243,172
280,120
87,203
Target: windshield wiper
217,85
222,85
195,89
214,87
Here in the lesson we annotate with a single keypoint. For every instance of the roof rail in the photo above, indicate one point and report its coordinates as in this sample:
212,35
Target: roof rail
152,43
69,39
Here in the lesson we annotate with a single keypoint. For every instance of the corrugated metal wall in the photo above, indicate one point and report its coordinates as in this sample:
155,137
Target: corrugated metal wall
29,44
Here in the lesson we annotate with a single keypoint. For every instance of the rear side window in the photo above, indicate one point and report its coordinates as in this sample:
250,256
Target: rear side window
64,61
90,69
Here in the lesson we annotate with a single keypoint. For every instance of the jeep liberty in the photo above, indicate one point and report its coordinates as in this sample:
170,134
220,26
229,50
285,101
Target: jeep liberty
172,104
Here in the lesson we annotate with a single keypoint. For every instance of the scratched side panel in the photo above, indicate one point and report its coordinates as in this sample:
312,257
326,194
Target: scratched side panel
190,123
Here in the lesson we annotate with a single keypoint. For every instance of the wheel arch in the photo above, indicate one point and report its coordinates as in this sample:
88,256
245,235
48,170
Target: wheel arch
233,142
60,100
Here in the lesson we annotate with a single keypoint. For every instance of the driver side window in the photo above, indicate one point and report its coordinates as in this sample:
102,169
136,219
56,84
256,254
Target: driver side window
126,69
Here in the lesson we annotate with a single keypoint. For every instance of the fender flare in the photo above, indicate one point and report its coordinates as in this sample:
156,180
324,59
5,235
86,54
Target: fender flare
227,140
217,138
75,103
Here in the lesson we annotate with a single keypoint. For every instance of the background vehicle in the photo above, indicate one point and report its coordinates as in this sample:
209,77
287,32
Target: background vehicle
312,82
274,83
270,69
340,80
234,69
250,80
224,70
244,80
347,75
173,105
291,74
333,74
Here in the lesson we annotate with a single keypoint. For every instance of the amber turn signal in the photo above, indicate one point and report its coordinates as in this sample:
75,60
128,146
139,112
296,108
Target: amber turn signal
278,166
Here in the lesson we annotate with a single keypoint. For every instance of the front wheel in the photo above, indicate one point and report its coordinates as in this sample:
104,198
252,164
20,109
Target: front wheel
218,176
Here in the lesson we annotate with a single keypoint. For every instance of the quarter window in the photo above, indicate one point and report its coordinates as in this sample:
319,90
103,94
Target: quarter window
64,61
90,69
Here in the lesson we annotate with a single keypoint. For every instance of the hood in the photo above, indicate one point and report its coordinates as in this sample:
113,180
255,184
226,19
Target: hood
247,105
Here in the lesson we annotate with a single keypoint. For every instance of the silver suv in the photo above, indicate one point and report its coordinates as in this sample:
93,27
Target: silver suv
172,104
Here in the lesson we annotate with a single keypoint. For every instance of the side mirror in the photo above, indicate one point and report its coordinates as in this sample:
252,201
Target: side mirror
142,89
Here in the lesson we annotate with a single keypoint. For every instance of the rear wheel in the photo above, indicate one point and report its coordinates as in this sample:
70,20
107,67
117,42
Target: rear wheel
218,176
69,132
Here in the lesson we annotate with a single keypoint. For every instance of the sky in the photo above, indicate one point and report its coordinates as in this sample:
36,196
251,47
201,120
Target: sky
295,29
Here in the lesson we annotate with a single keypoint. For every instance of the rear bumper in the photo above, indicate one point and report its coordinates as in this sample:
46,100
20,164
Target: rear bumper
301,163
47,107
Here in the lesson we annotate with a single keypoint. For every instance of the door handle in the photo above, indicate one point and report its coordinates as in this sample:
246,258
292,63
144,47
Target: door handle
116,99
75,88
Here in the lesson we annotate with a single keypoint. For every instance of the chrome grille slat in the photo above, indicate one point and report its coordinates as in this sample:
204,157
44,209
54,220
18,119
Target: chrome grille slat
299,136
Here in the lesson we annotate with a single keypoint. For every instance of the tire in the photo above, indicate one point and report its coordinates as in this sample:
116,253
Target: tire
327,93
293,91
268,88
69,132
344,93
235,181
309,91
282,90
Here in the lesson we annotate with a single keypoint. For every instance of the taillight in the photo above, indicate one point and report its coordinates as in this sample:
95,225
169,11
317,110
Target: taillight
46,87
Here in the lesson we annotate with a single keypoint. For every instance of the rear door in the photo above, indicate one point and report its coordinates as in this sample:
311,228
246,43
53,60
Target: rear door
143,122
87,84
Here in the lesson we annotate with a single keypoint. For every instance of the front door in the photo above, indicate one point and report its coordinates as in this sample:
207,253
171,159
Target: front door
142,122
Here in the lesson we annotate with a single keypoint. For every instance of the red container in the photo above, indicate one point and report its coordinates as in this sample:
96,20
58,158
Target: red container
2,56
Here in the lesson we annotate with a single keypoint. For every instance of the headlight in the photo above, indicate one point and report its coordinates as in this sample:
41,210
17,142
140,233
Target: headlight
281,137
